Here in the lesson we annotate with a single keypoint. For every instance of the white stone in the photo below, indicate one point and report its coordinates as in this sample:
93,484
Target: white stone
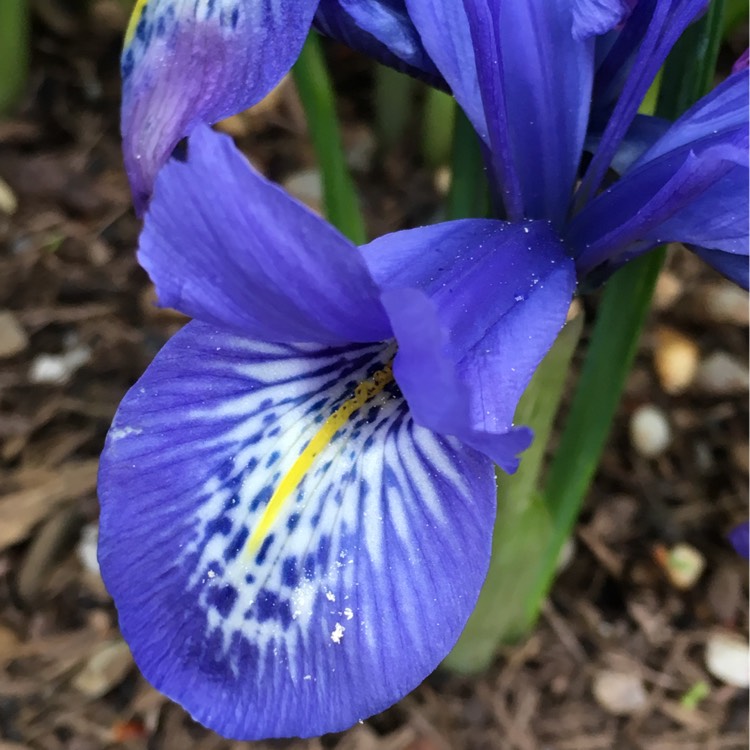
13,338
720,374
56,369
620,693
650,432
728,658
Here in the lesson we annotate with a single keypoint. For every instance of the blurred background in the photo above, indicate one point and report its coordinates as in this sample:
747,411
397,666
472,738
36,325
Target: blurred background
643,641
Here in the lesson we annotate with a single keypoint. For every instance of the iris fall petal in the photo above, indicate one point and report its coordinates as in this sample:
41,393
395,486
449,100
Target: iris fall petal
225,245
288,554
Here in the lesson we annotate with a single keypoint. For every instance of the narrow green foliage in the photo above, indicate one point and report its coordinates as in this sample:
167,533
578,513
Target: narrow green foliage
524,526
623,310
316,93
437,127
394,105
469,191
14,52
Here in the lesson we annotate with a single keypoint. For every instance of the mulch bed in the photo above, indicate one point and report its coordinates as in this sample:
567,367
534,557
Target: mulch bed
86,328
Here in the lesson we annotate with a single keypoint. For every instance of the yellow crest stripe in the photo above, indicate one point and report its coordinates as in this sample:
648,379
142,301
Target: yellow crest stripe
291,480
135,17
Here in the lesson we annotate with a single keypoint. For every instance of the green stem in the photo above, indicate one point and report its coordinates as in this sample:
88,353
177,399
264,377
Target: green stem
14,52
437,127
623,310
316,93
523,528
469,191
394,104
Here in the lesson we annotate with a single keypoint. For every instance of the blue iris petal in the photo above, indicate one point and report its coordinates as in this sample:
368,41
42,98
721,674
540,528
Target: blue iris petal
191,61
382,30
248,257
689,186
295,533
317,623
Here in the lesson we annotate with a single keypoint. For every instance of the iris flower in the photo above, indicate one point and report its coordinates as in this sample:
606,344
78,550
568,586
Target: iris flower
541,81
298,496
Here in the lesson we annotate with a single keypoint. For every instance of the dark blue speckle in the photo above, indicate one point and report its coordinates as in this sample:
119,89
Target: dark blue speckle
223,599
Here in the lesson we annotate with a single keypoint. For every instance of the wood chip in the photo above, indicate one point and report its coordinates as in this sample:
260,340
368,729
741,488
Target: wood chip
619,693
42,490
13,338
106,669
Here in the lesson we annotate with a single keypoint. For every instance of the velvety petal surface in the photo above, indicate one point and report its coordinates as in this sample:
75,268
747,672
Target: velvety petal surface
192,61
690,186
382,30
443,27
475,305
288,551
534,80
226,246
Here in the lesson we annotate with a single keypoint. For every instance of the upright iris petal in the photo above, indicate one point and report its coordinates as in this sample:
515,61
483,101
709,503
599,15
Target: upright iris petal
382,29
298,495
689,186
192,61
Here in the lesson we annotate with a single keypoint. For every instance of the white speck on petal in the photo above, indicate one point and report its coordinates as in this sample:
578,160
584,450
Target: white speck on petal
348,613
330,596
338,633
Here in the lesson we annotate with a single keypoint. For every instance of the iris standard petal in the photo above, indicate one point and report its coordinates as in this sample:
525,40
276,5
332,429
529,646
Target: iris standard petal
534,80
733,266
382,30
288,551
226,246
689,186
698,198
657,36
461,296
643,133
191,61
444,30
722,111
547,79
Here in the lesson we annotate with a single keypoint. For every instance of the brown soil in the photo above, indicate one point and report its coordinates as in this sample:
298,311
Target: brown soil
69,278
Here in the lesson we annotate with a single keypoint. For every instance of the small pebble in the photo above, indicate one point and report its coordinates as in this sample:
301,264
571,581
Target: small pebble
728,658
650,432
8,200
360,146
442,180
668,289
619,693
87,548
721,374
104,670
13,338
684,565
56,369
725,303
306,186
675,359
